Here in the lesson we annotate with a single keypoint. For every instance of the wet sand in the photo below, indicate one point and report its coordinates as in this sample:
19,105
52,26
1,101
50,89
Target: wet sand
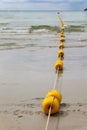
27,74
30,116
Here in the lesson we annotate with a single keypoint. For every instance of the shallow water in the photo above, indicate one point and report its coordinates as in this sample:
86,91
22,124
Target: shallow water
27,59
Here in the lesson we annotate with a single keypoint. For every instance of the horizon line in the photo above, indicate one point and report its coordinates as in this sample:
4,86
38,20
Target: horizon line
37,10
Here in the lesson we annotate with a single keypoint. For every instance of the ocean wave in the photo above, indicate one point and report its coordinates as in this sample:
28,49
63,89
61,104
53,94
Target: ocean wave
70,28
18,30
3,24
75,28
75,46
11,46
42,28
46,27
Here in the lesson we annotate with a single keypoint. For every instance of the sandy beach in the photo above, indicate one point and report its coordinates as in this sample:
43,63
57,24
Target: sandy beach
30,116
27,71
20,104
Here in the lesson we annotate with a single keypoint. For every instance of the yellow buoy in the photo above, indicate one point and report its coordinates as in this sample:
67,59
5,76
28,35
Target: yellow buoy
50,102
62,39
62,34
61,45
63,27
58,65
56,94
60,53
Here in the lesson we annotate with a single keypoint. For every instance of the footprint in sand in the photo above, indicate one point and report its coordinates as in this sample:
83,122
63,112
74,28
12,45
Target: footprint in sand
15,128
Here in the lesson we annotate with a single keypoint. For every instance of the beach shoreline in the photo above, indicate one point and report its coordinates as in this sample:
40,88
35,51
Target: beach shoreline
27,70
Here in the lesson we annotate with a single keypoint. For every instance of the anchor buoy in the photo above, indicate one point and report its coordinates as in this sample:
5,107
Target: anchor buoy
62,39
58,65
50,102
62,32
62,35
61,45
56,94
60,53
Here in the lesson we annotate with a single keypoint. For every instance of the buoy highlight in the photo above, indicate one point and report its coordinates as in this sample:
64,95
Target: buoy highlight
61,46
56,94
58,65
50,102
62,39
60,53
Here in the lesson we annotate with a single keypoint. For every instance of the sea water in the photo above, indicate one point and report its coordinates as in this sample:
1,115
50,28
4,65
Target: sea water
27,57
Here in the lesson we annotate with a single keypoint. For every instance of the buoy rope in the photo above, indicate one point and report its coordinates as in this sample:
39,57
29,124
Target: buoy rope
48,118
62,24
60,84
54,87
61,21
56,79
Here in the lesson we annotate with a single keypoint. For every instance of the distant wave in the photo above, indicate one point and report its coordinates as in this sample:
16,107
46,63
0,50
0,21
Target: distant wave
41,28
75,28
46,27
74,46
3,24
18,30
11,46
70,28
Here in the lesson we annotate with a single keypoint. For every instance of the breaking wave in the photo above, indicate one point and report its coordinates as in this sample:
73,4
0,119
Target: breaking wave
70,28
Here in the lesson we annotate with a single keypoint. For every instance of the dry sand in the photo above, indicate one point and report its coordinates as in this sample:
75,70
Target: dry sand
25,116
